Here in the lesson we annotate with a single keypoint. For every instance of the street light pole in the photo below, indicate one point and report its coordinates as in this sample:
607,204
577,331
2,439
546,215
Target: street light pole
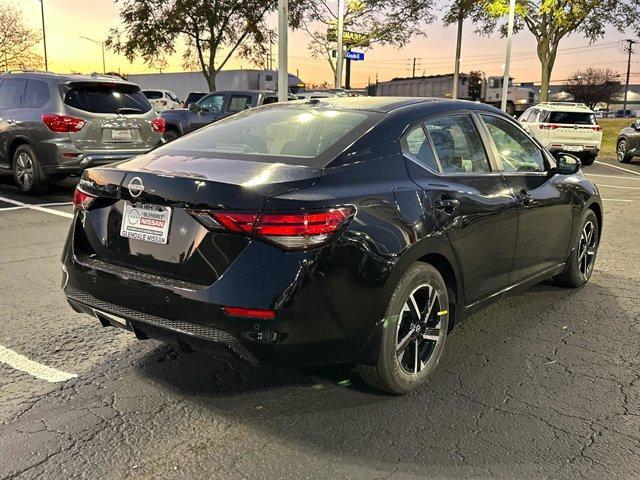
283,24
340,32
44,36
456,71
104,65
507,62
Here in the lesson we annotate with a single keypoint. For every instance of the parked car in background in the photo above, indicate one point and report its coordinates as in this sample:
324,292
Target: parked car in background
193,97
347,230
162,100
212,107
565,127
53,126
628,142
309,95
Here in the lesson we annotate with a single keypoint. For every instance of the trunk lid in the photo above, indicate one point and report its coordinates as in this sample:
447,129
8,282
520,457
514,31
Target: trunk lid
193,253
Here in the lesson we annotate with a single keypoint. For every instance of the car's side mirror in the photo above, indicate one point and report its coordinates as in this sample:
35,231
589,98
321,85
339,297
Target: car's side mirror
193,107
568,164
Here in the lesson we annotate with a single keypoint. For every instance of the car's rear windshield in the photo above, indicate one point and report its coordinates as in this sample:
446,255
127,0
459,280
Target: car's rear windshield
100,98
152,94
280,133
570,118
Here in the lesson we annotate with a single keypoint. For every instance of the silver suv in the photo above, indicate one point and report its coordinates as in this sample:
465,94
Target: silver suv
54,126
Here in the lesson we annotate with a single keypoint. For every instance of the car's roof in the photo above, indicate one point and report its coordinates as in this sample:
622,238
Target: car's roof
64,78
375,104
250,92
564,107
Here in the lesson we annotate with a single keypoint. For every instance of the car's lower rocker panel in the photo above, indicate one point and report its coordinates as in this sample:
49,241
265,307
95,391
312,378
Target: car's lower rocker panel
204,332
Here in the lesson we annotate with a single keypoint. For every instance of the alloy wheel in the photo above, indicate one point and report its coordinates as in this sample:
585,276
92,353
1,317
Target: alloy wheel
419,329
24,170
622,150
587,249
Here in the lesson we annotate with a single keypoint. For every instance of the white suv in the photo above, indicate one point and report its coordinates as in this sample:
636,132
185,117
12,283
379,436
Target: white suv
162,100
565,127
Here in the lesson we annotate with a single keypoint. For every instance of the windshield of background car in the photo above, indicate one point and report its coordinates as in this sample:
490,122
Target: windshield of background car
152,94
290,134
570,118
101,98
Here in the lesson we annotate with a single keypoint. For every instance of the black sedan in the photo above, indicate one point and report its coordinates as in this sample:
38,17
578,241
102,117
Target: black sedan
346,230
628,143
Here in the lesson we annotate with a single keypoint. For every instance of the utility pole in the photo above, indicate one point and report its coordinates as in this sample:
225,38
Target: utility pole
507,62
104,65
283,69
456,68
413,75
339,60
629,49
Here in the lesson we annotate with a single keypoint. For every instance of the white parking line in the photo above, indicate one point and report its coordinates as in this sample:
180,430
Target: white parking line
615,200
611,176
617,168
36,207
618,186
22,363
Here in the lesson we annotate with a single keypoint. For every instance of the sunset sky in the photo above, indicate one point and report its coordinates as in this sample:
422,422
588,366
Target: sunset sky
67,20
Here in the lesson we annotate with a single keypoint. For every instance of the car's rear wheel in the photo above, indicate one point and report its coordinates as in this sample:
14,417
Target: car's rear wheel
414,332
623,155
579,266
27,172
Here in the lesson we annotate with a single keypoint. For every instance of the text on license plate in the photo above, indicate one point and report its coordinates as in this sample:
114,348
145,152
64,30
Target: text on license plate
121,135
573,148
148,223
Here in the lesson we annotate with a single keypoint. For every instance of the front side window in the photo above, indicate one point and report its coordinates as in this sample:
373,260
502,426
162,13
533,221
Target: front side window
212,103
516,151
458,145
11,91
418,146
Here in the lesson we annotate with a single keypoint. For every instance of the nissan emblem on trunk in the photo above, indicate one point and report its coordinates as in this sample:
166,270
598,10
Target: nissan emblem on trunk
135,187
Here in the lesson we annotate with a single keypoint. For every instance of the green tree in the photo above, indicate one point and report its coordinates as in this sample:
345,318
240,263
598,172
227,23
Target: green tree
552,20
213,31
366,23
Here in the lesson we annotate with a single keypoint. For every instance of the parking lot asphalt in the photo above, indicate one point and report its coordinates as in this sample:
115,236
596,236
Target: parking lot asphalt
543,384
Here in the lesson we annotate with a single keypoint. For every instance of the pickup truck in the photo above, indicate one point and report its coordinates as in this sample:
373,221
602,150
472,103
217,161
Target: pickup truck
212,107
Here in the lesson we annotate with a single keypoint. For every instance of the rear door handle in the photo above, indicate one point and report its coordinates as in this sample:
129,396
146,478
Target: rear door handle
448,205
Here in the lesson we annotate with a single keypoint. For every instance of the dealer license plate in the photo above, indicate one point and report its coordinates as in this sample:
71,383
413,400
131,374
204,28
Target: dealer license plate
146,223
574,148
121,135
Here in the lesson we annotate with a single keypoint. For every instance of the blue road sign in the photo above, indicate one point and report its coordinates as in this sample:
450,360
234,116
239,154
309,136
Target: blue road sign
358,56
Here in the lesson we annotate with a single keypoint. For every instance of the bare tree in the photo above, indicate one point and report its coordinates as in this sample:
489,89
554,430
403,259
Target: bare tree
17,41
593,86
366,23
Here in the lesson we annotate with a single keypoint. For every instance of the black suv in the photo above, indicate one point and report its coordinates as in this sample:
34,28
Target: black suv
53,126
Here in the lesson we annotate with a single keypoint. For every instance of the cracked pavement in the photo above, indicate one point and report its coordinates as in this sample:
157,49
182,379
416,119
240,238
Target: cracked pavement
543,384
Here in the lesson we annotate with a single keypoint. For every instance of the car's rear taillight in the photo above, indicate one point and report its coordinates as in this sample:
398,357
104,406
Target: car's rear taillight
158,125
596,128
82,200
62,123
291,230
250,313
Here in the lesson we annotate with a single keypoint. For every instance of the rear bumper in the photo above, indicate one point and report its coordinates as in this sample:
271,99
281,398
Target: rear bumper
74,163
322,315
574,148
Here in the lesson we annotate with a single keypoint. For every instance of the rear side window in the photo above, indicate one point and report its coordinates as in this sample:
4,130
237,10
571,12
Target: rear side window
458,145
99,98
36,95
152,94
570,118
11,91
281,133
194,97
238,103
417,144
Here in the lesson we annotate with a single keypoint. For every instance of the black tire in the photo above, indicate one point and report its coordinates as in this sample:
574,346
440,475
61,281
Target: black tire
579,266
27,172
399,370
621,152
588,160
170,134
511,109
